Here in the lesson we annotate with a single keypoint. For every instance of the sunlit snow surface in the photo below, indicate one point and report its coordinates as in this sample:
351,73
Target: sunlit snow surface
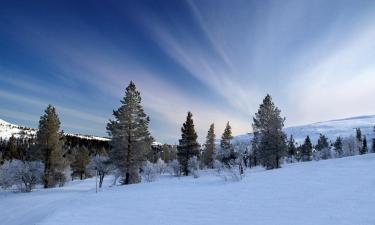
337,191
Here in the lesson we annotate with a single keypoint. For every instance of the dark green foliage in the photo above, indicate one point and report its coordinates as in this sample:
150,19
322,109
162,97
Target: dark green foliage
338,146
269,140
81,160
227,154
131,139
306,150
292,150
322,142
358,134
49,148
364,148
209,147
188,145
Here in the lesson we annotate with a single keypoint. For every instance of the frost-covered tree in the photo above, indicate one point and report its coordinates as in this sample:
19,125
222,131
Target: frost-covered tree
131,139
364,148
351,146
188,146
209,147
161,166
101,165
149,172
24,175
194,166
49,148
81,160
306,150
174,168
269,140
338,147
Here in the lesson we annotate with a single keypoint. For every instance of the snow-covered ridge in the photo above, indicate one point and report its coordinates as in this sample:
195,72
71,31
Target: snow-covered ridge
332,129
9,129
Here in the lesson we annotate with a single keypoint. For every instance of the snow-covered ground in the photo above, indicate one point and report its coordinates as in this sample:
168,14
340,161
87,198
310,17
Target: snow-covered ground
337,191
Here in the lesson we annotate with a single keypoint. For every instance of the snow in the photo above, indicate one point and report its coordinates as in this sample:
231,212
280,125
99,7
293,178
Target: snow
337,191
9,129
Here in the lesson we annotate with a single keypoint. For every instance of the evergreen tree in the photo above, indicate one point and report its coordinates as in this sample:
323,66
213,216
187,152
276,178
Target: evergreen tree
358,134
364,148
81,160
131,139
338,146
209,147
188,146
49,148
306,150
291,147
12,151
227,154
270,140
322,142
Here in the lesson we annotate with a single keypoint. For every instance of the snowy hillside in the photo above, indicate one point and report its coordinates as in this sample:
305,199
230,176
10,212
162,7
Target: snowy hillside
332,129
8,129
337,191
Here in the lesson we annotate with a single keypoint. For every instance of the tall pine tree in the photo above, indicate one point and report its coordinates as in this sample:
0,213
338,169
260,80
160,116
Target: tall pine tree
131,139
364,148
270,140
227,154
209,147
188,146
322,142
49,148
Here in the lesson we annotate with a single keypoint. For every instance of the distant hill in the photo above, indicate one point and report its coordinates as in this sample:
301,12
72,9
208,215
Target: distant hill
332,129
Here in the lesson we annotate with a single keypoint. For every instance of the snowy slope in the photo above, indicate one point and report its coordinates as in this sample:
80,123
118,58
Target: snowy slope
332,129
8,129
337,191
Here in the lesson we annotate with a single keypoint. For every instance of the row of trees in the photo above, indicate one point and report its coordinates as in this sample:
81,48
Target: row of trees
132,155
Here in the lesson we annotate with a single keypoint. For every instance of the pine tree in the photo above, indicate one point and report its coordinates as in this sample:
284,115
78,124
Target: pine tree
188,146
81,160
338,146
12,151
131,139
49,148
364,148
358,134
209,147
227,154
291,147
270,140
322,142
306,150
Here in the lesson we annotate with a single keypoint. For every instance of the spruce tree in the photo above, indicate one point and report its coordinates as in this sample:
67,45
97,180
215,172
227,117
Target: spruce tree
49,148
338,146
364,148
270,140
81,160
131,139
291,147
12,151
188,146
306,150
358,134
227,154
209,147
322,142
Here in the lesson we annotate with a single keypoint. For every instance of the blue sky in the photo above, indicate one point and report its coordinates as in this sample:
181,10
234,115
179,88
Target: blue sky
215,58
